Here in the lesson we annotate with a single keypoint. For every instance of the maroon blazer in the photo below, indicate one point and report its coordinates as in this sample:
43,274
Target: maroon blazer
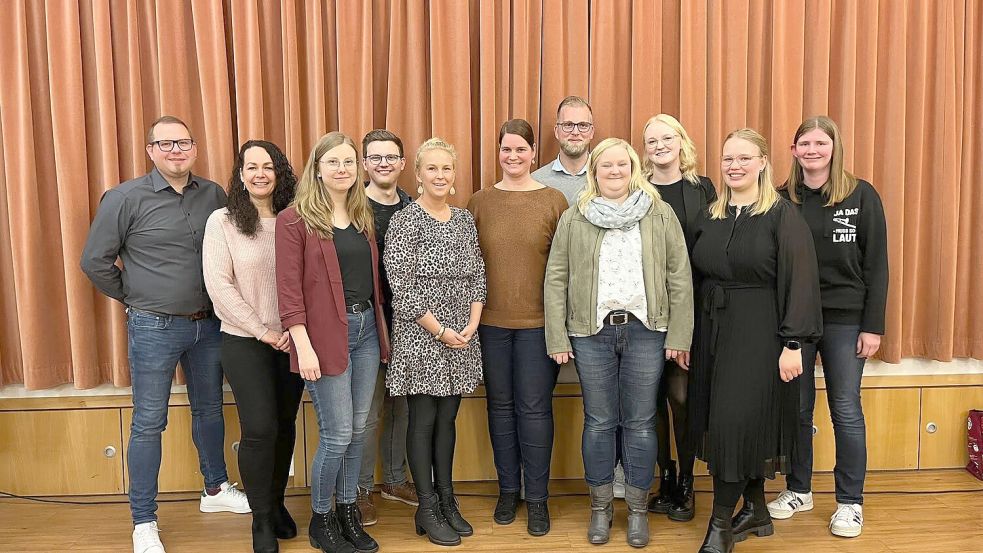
310,292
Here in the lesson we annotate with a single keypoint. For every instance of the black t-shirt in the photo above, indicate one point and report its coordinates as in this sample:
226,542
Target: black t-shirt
355,259
672,194
383,213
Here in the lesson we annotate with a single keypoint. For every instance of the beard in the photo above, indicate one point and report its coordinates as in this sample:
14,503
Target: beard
574,150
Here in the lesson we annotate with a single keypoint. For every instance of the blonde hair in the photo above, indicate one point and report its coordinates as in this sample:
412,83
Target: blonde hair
841,183
313,203
687,149
637,182
767,195
431,144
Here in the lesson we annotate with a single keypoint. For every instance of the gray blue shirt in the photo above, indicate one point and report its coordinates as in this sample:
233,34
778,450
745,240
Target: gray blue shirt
555,175
158,235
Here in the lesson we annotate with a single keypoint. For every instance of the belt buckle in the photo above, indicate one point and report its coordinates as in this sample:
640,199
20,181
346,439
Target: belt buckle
618,318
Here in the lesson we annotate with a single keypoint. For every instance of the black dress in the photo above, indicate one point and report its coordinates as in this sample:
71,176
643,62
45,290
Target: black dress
760,287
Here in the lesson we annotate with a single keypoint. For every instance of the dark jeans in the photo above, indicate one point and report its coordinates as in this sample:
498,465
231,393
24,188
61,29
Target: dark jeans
843,372
267,395
519,380
619,369
385,432
430,440
156,344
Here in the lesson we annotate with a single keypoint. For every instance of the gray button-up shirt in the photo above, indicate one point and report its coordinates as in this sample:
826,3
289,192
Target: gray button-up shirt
158,234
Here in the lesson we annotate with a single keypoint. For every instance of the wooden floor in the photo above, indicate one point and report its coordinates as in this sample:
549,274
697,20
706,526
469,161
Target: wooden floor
923,512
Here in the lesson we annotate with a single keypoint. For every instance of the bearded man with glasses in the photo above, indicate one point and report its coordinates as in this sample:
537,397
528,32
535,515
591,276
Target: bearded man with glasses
574,130
155,224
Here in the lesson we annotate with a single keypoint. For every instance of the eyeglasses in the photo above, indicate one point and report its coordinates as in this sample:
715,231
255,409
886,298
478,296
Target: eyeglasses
742,161
568,126
376,159
666,140
335,164
184,144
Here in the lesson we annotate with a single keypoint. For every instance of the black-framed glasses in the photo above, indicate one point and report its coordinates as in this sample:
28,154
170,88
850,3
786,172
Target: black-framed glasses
569,126
375,159
184,144
742,161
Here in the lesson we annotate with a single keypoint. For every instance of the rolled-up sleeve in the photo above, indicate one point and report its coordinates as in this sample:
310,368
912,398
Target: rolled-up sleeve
291,235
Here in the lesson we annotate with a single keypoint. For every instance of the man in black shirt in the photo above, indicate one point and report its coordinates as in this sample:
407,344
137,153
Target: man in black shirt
382,158
155,224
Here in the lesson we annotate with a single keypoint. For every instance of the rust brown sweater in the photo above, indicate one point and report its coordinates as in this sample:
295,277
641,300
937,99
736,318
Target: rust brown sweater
515,231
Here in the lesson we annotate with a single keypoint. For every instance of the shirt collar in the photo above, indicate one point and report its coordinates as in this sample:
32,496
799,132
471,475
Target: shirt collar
160,183
557,166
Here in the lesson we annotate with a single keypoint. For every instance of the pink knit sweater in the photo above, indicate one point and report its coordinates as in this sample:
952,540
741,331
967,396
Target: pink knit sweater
240,276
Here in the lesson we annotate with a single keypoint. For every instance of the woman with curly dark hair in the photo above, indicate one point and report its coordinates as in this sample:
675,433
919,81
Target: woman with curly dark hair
238,261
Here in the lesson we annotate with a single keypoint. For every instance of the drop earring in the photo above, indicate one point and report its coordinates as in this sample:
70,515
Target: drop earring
453,191
419,190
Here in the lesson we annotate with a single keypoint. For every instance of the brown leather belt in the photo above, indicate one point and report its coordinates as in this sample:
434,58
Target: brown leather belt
196,316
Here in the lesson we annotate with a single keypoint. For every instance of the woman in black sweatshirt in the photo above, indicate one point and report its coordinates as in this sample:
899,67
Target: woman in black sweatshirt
847,222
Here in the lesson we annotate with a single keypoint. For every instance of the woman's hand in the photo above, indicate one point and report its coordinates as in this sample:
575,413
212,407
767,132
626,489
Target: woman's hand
452,339
276,340
468,332
867,345
790,364
310,367
681,358
562,357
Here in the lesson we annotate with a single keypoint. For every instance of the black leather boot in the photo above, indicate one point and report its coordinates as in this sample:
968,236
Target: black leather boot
505,509
283,524
430,520
719,537
753,518
325,534
538,522
264,538
684,502
449,506
667,484
350,521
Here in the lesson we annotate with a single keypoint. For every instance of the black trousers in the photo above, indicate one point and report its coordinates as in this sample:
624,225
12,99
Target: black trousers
267,395
430,440
672,394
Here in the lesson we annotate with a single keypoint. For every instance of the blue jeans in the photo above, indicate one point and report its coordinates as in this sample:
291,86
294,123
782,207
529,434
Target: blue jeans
619,369
341,404
156,344
519,380
843,372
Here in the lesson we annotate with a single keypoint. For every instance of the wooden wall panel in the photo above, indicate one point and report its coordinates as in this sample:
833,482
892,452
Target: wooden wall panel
947,408
60,452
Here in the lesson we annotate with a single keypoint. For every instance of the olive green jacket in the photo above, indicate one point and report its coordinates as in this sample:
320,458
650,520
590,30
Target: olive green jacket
572,271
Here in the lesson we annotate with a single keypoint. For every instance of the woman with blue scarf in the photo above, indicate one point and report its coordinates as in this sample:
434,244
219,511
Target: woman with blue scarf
619,300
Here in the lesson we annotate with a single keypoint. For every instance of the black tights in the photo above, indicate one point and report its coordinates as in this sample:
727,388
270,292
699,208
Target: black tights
726,494
673,388
430,437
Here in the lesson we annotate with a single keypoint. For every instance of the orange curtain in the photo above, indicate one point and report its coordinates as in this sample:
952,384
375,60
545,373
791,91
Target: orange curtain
83,79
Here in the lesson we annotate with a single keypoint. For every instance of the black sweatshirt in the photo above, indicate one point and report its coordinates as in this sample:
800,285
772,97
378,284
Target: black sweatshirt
851,247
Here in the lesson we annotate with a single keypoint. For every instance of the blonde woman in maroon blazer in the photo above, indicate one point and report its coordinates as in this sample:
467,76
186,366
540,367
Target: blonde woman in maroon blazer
329,296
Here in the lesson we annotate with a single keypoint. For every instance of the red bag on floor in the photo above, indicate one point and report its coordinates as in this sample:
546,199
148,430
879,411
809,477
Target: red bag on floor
974,443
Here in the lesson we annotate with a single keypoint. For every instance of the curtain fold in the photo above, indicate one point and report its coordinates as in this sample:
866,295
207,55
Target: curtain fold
84,78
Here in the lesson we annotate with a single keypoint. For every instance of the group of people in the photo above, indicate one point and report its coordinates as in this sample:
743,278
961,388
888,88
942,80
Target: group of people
664,294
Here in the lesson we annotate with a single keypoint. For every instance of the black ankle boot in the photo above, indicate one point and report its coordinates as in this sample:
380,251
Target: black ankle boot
753,518
667,485
508,502
264,538
350,521
283,524
719,538
325,534
538,514
684,502
452,512
430,520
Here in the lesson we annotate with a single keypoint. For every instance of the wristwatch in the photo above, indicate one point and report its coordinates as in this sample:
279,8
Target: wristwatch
793,344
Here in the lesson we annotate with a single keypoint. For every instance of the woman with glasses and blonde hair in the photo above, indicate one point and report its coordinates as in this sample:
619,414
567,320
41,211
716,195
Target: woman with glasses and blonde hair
670,164
438,281
759,295
619,299
847,222
329,294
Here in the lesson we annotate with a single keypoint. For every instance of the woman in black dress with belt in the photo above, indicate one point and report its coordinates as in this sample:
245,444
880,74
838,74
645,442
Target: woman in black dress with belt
760,302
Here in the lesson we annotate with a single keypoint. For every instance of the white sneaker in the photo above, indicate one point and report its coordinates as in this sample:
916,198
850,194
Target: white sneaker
789,503
145,538
847,521
619,481
229,500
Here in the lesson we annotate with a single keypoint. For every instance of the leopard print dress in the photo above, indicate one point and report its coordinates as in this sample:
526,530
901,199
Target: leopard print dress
436,266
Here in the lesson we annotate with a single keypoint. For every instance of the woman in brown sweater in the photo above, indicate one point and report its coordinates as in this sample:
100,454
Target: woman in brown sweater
516,219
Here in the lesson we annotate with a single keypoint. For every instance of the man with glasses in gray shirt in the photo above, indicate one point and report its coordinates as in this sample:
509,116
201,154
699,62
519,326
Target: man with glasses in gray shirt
574,130
155,224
